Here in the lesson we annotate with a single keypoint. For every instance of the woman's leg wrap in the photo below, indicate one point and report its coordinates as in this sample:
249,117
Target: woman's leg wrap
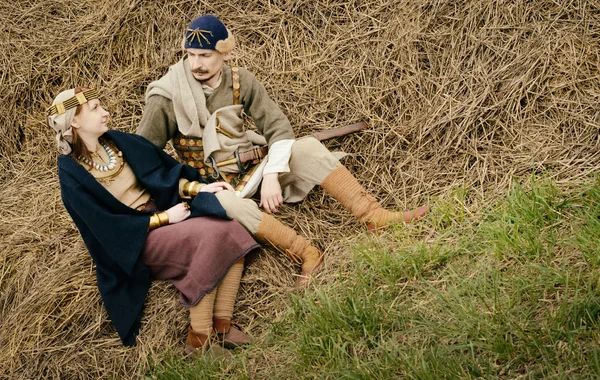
227,291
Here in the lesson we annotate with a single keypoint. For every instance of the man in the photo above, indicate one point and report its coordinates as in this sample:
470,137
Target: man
199,104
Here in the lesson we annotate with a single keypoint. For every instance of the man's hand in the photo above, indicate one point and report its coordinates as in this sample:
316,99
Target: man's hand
215,187
270,194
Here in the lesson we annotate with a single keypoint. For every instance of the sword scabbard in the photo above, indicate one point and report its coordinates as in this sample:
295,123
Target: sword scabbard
339,131
257,153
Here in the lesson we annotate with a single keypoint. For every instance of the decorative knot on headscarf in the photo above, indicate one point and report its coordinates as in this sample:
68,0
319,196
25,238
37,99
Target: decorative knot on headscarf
208,32
61,114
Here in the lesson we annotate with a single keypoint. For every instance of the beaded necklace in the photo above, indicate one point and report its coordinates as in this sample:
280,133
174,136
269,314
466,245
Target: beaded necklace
112,160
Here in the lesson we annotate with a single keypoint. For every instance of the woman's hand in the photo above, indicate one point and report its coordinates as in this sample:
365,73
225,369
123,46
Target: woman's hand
215,187
178,213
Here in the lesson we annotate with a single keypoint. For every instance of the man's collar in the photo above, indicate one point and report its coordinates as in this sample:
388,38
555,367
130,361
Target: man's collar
208,89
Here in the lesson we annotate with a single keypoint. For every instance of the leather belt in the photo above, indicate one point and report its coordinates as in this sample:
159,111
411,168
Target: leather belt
252,156
255,154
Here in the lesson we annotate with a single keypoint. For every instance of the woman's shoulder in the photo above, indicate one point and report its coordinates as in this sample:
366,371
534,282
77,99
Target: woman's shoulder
70,174
66,164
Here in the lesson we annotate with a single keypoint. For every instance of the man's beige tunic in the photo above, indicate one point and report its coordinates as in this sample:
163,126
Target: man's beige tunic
309,161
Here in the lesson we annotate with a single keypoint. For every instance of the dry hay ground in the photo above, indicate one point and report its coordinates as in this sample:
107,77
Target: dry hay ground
463,92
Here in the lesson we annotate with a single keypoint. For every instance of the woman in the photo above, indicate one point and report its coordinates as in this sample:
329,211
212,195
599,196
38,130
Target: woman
113,185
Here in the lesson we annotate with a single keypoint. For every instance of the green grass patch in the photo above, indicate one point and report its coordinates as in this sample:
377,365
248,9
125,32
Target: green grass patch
509,291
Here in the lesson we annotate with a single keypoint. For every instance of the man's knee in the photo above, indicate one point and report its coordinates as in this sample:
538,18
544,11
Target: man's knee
235,206
309,147
309,152
228,199
311,160
245,211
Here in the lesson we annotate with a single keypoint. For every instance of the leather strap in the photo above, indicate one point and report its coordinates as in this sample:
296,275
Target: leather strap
255,154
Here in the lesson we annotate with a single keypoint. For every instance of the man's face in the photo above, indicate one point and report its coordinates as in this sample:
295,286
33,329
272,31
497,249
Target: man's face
206,64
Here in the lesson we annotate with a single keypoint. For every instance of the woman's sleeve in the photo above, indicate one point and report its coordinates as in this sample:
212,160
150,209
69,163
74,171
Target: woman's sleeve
120,236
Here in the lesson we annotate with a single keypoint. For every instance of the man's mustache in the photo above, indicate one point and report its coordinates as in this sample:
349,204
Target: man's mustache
200,71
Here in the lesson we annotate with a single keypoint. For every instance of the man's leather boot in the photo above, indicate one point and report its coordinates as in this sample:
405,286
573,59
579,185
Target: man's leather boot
229,335
199,344
272,231
344,187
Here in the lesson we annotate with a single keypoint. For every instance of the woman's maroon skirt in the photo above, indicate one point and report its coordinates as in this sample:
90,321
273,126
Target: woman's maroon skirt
195,254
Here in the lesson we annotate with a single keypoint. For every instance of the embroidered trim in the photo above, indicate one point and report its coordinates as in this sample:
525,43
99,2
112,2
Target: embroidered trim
235,76
199,35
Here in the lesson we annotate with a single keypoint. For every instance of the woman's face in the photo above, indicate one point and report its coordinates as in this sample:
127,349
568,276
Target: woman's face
91,120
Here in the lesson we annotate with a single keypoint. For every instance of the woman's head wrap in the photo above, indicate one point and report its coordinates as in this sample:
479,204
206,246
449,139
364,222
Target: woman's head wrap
208,32
61,114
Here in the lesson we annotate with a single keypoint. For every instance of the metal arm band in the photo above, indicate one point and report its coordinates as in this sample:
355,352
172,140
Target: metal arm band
154,222
185,189
195,188
163,217
158,219
191,189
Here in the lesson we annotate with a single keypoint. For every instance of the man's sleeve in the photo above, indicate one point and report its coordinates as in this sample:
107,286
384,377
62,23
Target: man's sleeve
279,157
270,120
158,123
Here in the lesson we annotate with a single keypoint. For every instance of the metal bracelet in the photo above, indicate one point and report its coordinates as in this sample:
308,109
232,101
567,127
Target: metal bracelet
163,218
